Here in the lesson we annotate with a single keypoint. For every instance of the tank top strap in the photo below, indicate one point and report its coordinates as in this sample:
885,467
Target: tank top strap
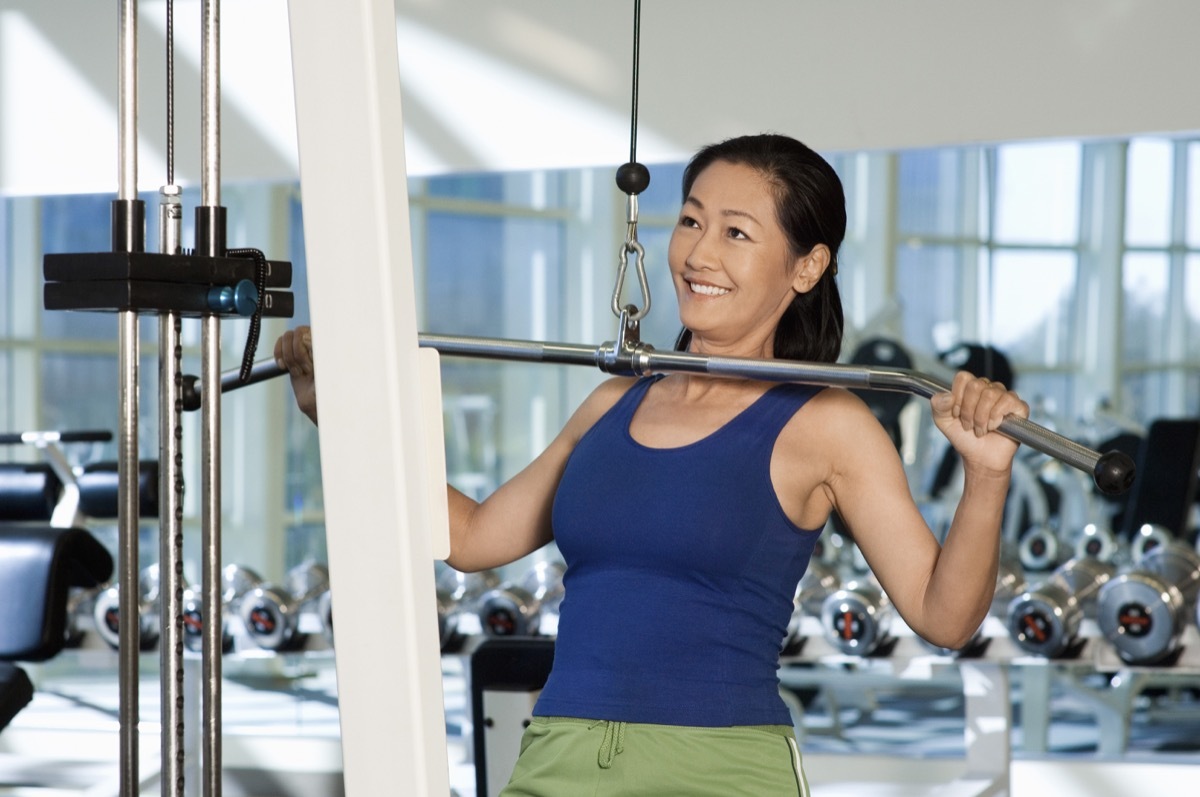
776,407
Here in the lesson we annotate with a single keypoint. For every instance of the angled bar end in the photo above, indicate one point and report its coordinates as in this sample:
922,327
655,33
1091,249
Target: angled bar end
1114,472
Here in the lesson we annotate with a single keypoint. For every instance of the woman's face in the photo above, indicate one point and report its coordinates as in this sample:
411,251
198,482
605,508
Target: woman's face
733,272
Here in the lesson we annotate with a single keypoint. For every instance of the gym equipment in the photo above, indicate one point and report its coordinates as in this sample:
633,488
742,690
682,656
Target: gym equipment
1148,537
38,567
457,599
1040,549
236,582
1144,610
1113,472
507,675
521,609
1045,620
325,615
857,619
830,547
1097,542
817,583
30,492
886,406
16,690
106,611
1169,461
271,614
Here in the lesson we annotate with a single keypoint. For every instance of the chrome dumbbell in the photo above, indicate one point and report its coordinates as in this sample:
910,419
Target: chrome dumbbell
1143,611
236,581
325,615
106,611
271,614
829,548
458,595
818,582
1040,549
1148,537
857,618
80,621
1045,620
521,609
1097,542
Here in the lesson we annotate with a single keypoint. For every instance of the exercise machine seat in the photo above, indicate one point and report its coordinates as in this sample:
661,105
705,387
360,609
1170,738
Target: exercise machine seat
38,566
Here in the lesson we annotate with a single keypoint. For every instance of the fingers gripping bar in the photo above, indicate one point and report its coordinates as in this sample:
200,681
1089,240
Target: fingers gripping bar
1113,471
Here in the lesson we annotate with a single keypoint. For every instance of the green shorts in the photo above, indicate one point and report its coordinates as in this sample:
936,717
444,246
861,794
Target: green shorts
567,757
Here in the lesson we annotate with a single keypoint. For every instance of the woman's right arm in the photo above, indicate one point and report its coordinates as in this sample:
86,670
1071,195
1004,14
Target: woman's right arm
513,521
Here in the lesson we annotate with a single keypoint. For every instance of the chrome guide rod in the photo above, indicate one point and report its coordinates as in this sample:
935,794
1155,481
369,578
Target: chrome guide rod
127,438
210,435
210,543
1112,471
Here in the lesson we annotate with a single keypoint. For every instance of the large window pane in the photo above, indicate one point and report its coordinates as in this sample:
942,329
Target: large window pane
1031,305
664,196
1049,394
1148,184
1146,395
72,224
6,278
929,193
1193,196
1037,193
1144,283
929,289
79,392
1191,302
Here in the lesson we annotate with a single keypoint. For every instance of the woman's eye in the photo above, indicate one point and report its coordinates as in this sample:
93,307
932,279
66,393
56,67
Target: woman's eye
734,232
687,221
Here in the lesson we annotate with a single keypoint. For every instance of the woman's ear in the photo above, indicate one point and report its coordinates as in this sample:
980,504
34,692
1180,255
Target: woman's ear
810,268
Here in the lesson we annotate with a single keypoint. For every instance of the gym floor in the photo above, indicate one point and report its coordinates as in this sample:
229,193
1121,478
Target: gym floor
282,738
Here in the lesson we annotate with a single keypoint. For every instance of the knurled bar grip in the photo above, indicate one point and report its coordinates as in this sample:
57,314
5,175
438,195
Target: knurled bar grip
1113,471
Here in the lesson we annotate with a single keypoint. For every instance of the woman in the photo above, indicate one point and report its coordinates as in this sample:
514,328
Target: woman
687,507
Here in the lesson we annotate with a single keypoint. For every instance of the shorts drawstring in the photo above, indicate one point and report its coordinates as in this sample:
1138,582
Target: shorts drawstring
613,743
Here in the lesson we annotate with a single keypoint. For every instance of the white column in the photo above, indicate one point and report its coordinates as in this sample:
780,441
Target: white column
360,279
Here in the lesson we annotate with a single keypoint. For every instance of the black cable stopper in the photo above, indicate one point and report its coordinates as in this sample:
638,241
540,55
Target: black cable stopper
633,178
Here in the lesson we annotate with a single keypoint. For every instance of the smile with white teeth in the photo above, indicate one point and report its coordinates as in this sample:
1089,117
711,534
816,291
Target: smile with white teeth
707,290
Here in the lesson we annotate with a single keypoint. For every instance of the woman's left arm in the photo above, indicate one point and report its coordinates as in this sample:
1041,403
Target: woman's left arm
943,592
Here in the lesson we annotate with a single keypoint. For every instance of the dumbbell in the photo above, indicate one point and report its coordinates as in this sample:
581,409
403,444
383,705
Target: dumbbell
80,602
458,597
1148,537
829,548
857,618
1144,610
271,614
106,611
236,581
1097,542
325,615
1039,549
518,609
818,582
1045,620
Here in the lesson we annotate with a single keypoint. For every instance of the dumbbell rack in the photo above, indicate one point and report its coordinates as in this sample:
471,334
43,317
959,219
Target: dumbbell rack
987,683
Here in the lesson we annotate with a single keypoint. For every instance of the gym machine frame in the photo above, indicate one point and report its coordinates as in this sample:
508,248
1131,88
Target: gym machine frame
347,102
209,283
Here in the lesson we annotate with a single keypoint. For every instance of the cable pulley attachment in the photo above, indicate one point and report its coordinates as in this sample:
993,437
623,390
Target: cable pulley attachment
632,178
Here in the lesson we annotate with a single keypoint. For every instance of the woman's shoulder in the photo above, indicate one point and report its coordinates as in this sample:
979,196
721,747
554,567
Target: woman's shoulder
832,411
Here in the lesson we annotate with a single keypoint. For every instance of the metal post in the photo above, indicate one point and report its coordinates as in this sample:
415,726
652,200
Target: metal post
126,238
210,241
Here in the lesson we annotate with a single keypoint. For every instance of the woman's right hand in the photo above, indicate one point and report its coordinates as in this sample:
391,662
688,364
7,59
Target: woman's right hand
293,351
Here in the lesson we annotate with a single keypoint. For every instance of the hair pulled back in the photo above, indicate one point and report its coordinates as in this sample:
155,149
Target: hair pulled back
810,206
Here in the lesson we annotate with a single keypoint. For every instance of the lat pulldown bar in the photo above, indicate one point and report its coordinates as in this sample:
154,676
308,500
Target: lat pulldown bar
1113,471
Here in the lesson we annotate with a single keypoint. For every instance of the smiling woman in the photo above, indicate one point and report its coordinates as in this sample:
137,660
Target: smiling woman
753,257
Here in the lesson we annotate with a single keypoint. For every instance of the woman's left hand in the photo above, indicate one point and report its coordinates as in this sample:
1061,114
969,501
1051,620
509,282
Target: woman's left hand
968,414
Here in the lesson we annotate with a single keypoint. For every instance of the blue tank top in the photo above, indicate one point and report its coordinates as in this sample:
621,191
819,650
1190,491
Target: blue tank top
681,572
